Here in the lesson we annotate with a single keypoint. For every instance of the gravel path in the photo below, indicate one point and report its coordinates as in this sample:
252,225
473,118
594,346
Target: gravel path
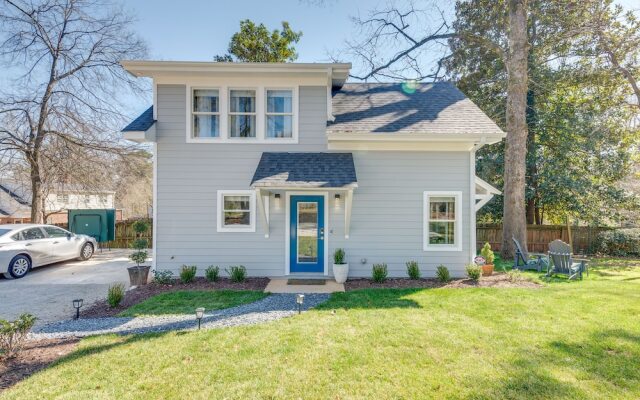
273,307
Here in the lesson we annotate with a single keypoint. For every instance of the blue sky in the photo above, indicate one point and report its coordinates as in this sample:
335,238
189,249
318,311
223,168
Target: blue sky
191,30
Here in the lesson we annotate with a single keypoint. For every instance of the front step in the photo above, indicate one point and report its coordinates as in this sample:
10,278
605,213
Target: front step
280,285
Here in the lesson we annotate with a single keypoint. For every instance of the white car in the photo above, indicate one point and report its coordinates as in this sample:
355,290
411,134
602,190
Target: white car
26,246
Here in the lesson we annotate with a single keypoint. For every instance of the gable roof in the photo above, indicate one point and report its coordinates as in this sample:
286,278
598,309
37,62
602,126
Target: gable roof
307,170
420,108
142,123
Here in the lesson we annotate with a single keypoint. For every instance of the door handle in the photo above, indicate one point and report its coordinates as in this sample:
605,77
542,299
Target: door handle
27,244
56,242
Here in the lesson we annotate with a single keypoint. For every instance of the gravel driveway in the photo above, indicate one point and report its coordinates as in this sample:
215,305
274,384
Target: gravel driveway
273,307
47,292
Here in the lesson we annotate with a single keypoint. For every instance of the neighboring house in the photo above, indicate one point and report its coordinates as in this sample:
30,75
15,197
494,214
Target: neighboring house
15,202
274,166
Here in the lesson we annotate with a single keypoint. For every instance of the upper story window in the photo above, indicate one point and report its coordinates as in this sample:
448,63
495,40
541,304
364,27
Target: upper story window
206,113
279,113
442,221
62,198
237,114
242,113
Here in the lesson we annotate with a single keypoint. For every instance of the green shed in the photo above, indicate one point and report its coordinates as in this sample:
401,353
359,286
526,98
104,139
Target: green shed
97,223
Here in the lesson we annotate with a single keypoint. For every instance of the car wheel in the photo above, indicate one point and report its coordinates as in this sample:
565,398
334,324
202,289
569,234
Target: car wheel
18,267
86,252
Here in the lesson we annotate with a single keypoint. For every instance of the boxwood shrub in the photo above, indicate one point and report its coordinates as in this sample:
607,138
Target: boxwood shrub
619,242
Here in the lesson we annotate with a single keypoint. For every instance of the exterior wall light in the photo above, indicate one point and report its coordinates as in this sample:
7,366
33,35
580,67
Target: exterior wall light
77,303
337,200
199,315
277,197
300,301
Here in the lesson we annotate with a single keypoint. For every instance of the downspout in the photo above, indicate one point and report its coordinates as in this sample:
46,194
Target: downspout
330,116
472,197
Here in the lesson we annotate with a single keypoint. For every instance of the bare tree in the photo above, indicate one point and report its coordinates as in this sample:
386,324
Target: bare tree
66,56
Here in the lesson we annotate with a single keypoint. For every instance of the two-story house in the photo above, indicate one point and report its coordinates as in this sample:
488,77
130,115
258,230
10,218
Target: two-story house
274,166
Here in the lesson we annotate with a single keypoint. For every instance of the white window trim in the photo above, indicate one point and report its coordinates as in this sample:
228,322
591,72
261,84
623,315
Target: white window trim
252,210
191,113
256,114
294,115
223,112
457,246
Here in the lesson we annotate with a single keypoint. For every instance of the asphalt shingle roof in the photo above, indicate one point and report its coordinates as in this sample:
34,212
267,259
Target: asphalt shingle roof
424,108
328,170
142,123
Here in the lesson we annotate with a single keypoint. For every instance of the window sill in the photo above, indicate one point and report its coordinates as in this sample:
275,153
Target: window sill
238,230
243,141
433,248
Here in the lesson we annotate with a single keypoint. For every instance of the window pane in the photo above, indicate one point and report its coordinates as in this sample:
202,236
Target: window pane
237,203
55,232
205,100
442,208
242,125
279,126
441,233
279,101
307,234
243,101
237,218
33,233
206,126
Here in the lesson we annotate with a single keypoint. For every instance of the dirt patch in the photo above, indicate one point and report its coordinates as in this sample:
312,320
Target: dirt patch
36,355
141,293
496,280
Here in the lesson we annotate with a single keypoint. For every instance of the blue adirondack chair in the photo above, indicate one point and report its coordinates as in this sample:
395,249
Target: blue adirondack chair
562,261
535,261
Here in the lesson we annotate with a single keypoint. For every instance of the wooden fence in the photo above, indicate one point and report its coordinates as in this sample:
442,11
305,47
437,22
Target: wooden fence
125,235
539,236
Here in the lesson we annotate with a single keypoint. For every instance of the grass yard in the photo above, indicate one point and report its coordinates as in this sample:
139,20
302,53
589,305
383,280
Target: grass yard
185,302
572,340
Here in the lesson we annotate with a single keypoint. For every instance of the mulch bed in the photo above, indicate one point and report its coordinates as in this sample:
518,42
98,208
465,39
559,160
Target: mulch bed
141,293
36,355
496,280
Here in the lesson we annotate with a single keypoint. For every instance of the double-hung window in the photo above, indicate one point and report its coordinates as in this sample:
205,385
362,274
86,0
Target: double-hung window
205,113
236,211
242,113
279,113
442,221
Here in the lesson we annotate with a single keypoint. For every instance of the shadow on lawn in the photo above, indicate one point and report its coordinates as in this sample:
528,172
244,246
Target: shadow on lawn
372,299
607,357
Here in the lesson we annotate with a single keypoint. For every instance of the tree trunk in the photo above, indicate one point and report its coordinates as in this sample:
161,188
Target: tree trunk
37,199
514,220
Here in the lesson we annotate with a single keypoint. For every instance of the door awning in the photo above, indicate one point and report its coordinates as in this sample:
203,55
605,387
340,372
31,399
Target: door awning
305,171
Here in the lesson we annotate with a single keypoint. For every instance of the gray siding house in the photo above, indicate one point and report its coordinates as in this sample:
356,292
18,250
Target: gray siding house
274,166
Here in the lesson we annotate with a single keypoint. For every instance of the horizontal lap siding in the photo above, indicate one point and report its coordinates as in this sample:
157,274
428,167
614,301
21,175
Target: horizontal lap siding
190,174
386,221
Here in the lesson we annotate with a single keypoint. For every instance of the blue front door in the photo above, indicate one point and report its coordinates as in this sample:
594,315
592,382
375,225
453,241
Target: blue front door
306,242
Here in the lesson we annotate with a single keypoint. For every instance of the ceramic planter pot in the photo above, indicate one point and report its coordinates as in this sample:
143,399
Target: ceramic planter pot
487,269
340,272
139,275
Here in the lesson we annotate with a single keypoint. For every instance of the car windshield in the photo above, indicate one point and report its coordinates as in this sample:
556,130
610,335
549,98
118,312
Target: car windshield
4,231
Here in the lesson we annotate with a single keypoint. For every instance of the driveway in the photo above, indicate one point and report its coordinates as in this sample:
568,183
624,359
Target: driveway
47,292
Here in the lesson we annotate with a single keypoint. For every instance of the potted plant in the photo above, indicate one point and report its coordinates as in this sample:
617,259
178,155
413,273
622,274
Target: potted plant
139,274
489,257
340,268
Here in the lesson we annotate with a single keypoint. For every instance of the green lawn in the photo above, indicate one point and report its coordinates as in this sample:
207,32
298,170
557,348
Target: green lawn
563,341
185,302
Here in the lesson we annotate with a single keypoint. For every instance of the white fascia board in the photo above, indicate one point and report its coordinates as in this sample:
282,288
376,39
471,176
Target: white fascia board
148,136
413,137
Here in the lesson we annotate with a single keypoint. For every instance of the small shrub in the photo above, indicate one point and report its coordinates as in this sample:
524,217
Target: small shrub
619,242
212,273
474,272
487,254
515,276
379,273
443,274
13,334
338,256
237,273
163,277
188,273
115,295
413,270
